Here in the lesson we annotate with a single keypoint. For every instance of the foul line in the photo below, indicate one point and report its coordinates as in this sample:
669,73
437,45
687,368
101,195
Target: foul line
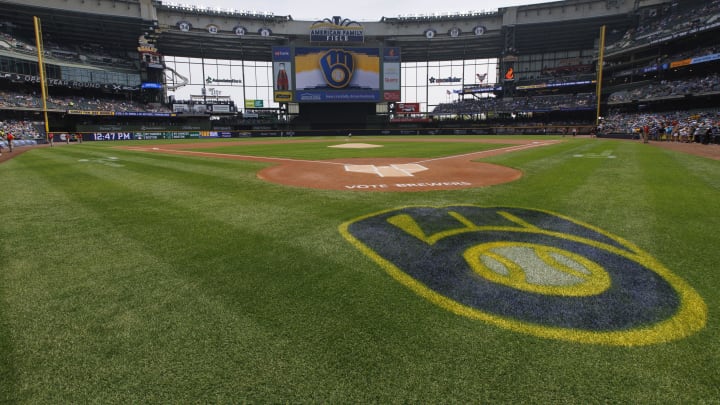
230,155
506,149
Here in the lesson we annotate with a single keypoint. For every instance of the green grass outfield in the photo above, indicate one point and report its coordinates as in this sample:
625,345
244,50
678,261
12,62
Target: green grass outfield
135,277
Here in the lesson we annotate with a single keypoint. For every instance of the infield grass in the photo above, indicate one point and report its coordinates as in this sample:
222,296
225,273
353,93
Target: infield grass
333,149
133,277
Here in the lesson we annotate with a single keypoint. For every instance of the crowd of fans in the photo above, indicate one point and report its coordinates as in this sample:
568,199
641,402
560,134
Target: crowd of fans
87,53
676,126
579,101
12,99
24,133
654,65
668,22
21,129
676,88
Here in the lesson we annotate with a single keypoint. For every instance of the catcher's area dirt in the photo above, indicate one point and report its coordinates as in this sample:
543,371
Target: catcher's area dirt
387,174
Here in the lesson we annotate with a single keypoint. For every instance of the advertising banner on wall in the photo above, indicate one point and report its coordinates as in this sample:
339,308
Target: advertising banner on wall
407,108
282,74
391,74
221,108
254,104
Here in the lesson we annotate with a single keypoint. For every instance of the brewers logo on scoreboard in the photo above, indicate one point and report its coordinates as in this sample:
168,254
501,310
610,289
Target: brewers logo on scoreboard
337,68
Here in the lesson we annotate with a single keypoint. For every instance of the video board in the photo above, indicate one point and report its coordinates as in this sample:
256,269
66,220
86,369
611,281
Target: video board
336,74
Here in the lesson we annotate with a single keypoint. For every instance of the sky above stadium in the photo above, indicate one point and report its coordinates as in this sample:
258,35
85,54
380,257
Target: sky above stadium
367,10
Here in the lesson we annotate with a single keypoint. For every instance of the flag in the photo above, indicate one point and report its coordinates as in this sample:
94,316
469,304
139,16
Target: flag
481,78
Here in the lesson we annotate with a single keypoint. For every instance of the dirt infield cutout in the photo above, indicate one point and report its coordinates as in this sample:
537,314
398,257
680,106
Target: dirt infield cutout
375,174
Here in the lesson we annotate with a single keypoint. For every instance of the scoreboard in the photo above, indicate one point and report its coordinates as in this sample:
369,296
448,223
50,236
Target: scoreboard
336,74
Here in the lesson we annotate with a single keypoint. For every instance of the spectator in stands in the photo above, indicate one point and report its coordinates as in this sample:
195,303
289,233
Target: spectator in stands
678,126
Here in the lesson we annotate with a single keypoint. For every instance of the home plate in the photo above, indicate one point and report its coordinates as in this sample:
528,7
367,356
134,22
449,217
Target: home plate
399,170
355,145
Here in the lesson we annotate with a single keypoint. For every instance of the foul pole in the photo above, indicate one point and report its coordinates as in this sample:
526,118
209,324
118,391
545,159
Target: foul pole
598,88
41,70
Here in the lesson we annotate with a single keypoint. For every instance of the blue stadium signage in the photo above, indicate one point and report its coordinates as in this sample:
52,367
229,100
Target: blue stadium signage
337,30
18,78
480,88
281,54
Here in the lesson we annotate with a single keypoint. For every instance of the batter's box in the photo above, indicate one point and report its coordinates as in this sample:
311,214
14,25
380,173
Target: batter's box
399,170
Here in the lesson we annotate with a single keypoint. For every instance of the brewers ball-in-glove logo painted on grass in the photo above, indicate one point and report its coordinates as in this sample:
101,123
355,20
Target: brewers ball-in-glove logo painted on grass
531,271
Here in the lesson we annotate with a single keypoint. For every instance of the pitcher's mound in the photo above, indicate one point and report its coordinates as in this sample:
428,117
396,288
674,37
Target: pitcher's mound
355,146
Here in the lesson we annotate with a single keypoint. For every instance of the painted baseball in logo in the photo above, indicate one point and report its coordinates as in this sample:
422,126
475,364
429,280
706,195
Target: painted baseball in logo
531,271
337,68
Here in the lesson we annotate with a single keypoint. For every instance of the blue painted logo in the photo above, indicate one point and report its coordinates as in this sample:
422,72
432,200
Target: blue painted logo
531,271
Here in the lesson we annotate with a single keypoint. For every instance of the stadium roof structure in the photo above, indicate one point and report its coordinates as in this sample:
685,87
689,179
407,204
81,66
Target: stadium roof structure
71,27
532,29
562,32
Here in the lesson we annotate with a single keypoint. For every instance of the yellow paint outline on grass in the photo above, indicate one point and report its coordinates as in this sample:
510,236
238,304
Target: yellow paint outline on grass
689,319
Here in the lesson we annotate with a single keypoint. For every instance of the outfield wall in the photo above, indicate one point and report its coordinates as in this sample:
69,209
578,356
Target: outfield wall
154,135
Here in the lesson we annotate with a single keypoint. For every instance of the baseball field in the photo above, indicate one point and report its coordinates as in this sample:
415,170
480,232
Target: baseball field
372,270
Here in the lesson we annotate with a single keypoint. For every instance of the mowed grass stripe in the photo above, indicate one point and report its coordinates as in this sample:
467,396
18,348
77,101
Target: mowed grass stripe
262,300
102,192
113,219
550,174
631,196
119,214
